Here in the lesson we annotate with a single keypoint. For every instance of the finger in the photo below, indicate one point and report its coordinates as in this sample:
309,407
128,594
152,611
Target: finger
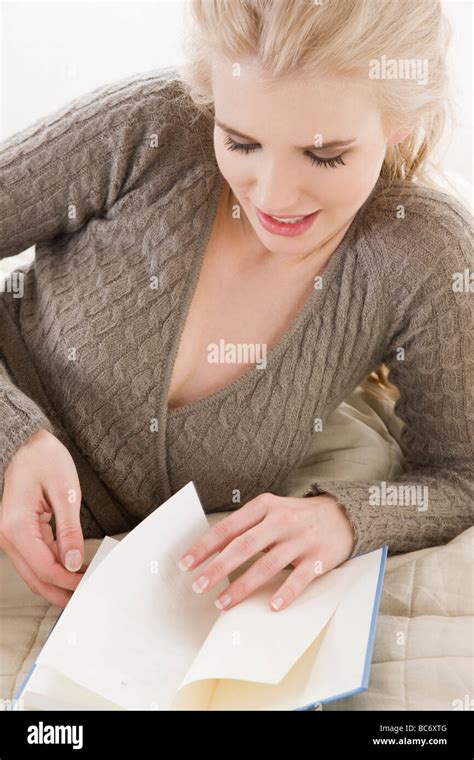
226,530
66,507
29,542
261,571
57,596
50,542
305,572
240,549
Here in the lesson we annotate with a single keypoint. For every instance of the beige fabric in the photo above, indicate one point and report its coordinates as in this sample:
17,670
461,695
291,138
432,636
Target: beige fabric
423,652
423,655
360,442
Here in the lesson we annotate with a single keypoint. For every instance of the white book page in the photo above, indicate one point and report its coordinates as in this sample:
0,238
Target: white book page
50,690
133,628
339,667
252,642
332,664
47,689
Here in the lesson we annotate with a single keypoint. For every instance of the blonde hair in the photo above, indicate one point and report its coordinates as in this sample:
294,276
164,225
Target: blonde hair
340,37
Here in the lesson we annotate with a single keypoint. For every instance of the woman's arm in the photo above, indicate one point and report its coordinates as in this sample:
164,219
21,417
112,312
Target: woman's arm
20,418
74,164
431,360
61,171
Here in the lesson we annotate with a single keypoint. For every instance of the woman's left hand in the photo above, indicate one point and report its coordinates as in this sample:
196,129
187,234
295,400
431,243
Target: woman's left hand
313,533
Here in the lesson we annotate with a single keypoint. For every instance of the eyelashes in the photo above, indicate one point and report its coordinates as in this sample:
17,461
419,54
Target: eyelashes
243,148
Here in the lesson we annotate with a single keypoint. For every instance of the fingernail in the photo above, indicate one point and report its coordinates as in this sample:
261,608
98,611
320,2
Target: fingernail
223,602
200,584
186,562
73,560
277,603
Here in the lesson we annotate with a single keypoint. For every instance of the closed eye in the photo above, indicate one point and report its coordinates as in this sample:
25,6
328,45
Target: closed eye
250,147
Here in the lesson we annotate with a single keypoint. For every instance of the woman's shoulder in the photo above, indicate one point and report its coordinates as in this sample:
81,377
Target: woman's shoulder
138,90
161,86
151,106
417,229
159,101
421,210
150,123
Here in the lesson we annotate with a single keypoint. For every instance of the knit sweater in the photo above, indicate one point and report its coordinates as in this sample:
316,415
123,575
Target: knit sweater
119,191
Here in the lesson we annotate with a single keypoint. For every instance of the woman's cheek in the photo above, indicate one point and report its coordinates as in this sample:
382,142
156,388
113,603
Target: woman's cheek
359,178
342,191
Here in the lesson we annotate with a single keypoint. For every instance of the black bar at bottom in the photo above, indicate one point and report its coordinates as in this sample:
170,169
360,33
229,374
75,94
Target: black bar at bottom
376,734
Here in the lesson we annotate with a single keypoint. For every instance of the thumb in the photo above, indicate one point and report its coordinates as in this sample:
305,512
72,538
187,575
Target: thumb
68,528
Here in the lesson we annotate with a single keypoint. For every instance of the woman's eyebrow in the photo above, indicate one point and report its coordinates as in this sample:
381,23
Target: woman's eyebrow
331,144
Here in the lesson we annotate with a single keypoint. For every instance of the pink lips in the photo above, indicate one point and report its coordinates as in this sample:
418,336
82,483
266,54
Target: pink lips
283,228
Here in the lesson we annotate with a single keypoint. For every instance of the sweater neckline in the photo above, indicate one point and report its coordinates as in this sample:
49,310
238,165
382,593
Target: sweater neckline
314,303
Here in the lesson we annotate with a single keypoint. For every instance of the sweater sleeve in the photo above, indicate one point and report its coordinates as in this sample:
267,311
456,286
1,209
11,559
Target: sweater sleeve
74,163
431,360
20,418
66,168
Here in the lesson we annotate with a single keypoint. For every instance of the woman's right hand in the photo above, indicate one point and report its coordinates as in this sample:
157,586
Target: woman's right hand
41,480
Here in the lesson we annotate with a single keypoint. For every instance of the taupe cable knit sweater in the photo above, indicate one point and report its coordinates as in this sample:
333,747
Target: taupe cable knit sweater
118,190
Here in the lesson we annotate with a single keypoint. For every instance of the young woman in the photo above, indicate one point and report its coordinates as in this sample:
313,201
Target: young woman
266,205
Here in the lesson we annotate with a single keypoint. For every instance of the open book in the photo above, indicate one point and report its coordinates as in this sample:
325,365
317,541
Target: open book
135,636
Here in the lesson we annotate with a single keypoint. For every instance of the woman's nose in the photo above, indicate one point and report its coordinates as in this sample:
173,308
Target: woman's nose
277,191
